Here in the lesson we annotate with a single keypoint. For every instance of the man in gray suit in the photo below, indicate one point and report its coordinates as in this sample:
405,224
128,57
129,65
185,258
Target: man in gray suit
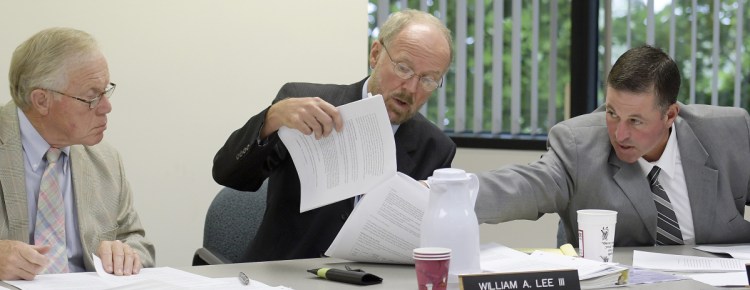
601,161
412,54
50,138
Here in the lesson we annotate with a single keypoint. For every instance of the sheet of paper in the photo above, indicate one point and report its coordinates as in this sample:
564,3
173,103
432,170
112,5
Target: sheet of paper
155,278
737,252
385,225
643,276
721,279
149,278
346,163
492,251
682,263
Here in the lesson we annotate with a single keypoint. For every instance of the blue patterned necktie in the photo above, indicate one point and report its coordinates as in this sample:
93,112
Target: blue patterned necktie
667,229
50,217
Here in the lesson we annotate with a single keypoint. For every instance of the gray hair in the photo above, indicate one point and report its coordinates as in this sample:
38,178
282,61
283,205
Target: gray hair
401,19
43,60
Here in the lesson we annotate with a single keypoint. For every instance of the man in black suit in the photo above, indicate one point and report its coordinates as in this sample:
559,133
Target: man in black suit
408,61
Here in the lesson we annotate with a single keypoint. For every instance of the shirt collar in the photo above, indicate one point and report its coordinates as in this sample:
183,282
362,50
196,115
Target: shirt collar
34,146
668,160
366,94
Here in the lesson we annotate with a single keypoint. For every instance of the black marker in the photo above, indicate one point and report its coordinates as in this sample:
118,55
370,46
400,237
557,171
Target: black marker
352,277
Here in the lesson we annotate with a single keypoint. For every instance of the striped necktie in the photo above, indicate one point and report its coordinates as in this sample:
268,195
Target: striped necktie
667,229
50,217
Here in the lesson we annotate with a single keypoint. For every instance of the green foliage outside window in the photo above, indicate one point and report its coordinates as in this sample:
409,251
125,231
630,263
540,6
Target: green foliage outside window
638,12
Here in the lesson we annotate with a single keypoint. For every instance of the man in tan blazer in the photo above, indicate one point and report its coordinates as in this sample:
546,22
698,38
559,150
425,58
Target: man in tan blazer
60,86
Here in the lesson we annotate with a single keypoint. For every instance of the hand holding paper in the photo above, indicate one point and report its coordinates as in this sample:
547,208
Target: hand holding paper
346,163
308,115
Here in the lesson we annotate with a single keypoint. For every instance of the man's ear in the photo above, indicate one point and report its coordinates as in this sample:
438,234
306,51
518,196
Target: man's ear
41,101
672,111
374,53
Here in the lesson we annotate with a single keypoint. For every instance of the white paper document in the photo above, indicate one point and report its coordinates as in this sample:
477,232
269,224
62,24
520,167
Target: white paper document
720,279
737,252
345,163
686,264
162,278
385,225
500,259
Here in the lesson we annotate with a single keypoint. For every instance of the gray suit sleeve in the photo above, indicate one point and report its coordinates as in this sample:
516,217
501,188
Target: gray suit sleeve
528,191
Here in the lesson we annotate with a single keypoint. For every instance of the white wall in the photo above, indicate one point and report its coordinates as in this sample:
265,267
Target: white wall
188,73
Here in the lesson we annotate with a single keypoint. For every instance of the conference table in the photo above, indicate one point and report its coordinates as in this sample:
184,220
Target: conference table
293,273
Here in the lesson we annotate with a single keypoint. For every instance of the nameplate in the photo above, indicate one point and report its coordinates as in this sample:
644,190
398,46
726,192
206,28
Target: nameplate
548,280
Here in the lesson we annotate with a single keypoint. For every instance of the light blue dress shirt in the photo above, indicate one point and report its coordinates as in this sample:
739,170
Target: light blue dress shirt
34,149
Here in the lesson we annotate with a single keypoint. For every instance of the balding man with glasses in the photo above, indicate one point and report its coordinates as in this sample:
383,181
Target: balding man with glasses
408,62
63,193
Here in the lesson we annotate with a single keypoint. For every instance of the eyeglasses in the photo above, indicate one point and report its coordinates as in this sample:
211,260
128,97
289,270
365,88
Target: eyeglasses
405,72
91,102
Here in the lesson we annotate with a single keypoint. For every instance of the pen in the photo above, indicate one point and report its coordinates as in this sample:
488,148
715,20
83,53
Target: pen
353,277
244,279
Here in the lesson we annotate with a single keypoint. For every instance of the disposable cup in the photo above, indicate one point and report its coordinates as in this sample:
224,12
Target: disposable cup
431,265
596,234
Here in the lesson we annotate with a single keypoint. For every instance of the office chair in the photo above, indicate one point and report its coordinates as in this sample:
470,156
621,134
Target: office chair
231,223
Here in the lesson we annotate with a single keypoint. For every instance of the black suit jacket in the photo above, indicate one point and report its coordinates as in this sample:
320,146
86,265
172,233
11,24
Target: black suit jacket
285,233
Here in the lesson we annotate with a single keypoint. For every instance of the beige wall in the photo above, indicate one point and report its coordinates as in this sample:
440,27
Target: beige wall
188,73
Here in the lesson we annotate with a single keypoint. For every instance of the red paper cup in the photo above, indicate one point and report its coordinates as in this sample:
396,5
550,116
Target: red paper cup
431,265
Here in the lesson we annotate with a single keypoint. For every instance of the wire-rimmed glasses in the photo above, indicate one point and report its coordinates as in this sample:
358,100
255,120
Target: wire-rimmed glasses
91,102
405,72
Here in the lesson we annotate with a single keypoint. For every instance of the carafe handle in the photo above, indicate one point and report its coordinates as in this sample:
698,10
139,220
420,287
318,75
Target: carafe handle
473,188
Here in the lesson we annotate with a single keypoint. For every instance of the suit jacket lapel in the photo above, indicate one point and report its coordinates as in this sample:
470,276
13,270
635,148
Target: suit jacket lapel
12,178
406,143
83,188
634,184
701,180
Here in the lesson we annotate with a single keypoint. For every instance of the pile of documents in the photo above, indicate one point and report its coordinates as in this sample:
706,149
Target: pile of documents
160,278
712,271
592,275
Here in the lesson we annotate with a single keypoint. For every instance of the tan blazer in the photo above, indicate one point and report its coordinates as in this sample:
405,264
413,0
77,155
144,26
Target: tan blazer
102,194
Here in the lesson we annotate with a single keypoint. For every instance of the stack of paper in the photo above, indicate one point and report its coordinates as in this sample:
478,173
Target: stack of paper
712,271
161,278
592,274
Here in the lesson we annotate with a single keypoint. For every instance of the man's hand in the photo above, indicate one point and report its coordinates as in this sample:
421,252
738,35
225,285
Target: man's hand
119,258
308,115
19,260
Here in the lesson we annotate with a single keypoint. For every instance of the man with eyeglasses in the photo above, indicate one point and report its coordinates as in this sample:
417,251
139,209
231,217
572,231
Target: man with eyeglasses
63,194
418,54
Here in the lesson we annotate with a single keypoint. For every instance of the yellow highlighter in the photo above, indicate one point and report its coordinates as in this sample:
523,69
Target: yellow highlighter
568,250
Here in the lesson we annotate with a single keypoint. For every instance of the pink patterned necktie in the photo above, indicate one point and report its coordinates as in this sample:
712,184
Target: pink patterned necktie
50,217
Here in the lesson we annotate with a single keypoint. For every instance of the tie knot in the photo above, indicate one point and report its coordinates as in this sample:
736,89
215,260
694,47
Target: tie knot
654,173
52,155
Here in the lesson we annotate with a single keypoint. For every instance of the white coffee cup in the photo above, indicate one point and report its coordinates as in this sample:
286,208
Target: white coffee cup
596,234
